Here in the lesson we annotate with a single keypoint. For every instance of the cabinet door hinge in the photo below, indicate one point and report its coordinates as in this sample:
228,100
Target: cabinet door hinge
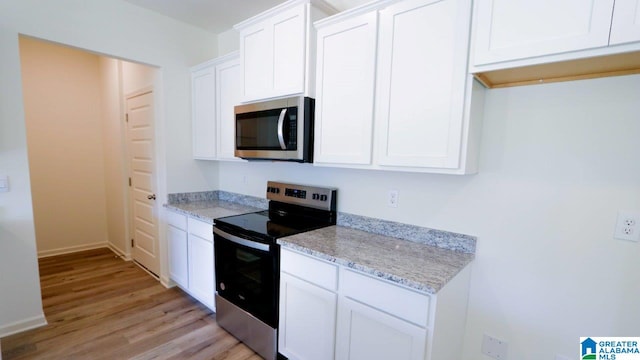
129,182
132,243
126,117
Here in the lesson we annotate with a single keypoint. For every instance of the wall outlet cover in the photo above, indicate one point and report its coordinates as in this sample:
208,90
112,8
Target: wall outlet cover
627,226
494,348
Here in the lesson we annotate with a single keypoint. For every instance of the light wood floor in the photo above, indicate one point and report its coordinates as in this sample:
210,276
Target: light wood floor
101,307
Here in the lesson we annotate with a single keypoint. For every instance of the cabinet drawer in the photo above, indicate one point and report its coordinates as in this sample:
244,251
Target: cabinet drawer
397,301
176,220
315,271
201,229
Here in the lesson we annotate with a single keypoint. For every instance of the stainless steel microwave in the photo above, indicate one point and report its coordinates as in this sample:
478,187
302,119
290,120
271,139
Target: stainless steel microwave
280,129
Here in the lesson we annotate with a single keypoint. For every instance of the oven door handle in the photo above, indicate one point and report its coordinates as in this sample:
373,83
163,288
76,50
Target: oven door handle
241,241
283,146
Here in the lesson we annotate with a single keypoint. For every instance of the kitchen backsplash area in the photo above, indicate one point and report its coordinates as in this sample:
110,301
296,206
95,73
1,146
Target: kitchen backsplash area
438,238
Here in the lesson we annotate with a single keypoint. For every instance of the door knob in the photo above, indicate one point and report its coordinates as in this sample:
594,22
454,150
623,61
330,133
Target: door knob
151,197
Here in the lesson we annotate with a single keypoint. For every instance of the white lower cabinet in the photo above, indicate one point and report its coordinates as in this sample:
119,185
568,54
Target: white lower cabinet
364,317
307,320
201,268
191,260
178,265
364,332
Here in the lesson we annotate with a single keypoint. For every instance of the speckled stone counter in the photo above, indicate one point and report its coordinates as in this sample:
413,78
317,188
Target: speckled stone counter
207,210
422,267
421,258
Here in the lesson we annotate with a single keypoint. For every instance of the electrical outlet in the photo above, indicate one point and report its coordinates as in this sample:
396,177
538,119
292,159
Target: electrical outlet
494,348
392,200
627,226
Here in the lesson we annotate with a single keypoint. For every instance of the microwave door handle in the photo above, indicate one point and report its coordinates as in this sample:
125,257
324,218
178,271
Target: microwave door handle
283,146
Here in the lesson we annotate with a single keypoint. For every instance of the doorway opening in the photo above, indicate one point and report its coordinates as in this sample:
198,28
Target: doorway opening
81,157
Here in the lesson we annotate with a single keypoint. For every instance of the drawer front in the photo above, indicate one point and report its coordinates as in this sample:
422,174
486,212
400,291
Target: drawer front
175,219
395,300
315,271
201,229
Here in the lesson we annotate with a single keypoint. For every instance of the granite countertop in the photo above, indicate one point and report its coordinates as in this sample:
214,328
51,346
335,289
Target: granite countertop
419,266
207,210
420,258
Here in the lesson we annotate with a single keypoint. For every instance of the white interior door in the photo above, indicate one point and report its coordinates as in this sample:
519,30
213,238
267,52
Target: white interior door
142,190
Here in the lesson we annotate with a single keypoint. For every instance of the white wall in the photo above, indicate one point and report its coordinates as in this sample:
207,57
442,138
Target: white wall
557,161
228,41
19,280
62,99
114,142
114,28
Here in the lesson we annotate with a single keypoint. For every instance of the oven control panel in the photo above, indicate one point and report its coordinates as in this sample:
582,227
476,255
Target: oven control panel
312,196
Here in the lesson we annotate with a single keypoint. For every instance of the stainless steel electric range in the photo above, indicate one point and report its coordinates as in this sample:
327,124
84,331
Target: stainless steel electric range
247,260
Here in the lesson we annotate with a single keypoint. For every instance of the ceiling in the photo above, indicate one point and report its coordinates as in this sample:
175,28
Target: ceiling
217,16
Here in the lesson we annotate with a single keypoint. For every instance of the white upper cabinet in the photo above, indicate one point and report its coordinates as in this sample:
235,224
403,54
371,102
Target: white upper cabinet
228,94
345,90
625,26
203,112
421,82
522,42
516,29
215,90
393,90
274,50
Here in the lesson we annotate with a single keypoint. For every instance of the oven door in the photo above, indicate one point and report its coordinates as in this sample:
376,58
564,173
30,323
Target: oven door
247,274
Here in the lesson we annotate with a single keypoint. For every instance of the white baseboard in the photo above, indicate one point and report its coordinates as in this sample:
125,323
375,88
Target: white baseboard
166,282
71,249
119,252
23,325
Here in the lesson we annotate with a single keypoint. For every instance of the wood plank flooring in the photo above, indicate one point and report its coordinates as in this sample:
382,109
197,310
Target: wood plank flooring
101,307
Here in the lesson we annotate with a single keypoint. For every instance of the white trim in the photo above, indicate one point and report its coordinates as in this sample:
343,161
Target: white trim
320,4
72,249
166,282
119,252
24,325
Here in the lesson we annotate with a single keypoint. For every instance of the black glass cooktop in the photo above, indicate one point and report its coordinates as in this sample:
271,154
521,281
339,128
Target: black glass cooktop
270,225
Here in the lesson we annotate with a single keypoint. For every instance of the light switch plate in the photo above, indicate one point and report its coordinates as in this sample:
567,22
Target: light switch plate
4,183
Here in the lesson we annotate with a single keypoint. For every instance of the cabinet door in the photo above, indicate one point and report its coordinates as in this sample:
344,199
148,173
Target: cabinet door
307,320
256,53
516,29
203,114
366,333
228,94
178,257
345,91
289,44
201,269
421,83
625,26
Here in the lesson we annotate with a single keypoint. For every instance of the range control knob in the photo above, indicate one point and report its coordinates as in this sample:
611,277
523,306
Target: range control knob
323,197
315,196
